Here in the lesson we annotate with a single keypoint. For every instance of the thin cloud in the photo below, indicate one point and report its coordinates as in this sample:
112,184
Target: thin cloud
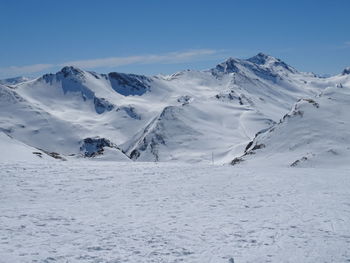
29,69
173,57
167,58
344,45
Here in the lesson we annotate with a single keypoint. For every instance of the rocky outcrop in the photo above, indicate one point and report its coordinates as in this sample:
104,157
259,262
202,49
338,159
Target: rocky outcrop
92,147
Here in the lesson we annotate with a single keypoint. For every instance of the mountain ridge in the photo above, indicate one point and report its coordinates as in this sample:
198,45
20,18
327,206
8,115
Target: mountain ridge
195,114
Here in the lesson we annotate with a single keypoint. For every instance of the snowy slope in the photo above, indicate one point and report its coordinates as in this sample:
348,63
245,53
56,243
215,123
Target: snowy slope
191,116
190,133
168,212
316,132
225,107
15,151
74,104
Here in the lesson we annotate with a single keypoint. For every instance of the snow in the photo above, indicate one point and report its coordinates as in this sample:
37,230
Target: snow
188,116
13,150
315,133
14,81
83,211
127,168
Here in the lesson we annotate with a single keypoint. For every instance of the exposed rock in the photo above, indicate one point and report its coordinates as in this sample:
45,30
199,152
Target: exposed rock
102,105
130,111
184,100
297,162
228,66
237,160
129,84
346,71
92,147
54,155
311,101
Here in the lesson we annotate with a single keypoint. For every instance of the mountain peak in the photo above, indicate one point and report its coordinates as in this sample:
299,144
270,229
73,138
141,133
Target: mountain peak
67,72
71,70
270,61
228,66
262,59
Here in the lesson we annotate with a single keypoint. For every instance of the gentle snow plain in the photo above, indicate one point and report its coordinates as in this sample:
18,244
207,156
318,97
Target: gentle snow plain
85,211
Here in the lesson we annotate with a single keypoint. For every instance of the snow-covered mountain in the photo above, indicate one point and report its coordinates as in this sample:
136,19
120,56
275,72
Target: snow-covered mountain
189,116
14,81
315,133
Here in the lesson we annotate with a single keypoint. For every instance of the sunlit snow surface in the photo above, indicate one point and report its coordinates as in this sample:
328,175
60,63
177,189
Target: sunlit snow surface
185,117
79,211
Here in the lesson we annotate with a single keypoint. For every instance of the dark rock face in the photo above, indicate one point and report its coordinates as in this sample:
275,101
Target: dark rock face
346,71
229,66
231,96
236,160
102,105
96,76
297,162
54,155
134,154
262,59
129,84
259,59
311,101
73,81
296,110
130,111
258,146
184,100
92,147
66,73
70,71
263,72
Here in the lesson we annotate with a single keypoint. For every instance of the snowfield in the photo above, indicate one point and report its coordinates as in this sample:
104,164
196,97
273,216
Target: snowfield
85,211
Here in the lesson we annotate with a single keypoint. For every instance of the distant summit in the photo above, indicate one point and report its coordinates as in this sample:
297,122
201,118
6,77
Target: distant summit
228,66
261,64
14,81
262,59
70,70
270,61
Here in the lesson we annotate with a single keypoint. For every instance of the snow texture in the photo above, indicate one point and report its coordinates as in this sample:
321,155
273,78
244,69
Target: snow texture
315,133
160,212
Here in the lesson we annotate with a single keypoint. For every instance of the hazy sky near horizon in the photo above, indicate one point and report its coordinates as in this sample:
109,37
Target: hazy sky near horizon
151,37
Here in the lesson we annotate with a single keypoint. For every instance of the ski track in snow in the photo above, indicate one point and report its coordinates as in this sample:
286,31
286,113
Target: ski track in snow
160,212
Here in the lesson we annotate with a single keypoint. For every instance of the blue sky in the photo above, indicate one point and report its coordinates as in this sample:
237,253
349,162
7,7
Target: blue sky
151,37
